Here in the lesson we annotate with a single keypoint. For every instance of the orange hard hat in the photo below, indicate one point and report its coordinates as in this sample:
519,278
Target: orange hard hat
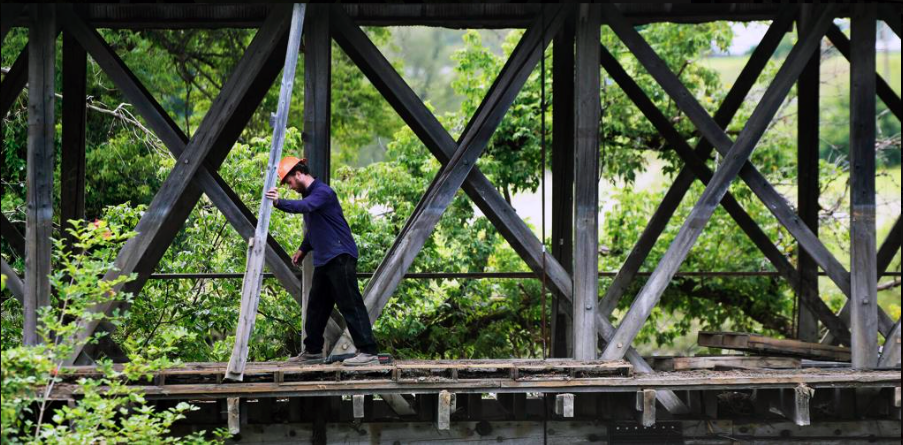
286,165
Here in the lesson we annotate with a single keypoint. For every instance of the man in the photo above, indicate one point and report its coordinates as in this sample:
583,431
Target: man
335,263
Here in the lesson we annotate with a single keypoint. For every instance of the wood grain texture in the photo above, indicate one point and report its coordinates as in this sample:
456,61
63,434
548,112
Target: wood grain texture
253,279
863,266
587,119
39,165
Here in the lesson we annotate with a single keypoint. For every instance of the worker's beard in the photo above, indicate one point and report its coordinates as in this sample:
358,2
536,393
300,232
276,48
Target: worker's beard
301,189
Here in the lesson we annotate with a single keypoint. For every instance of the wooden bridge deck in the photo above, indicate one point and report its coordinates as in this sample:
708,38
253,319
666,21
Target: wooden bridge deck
284,379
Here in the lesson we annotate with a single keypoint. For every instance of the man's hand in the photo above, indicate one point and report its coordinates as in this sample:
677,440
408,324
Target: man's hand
298,257
273,195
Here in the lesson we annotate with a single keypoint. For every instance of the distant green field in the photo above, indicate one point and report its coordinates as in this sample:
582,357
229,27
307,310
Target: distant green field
835,71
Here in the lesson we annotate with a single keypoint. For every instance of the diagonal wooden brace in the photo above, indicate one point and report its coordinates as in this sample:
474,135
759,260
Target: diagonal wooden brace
735,160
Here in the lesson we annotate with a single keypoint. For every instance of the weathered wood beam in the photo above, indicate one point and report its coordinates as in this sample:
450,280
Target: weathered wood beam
587,117
842,43
807,178
317,110
564,405
430,131
13,82
39,165
474,15
562,236
253,279
645,407
886,254
698,167
228,127
682,182
445,409
9,12
72,163
12,236
773,200
890,355
889,247
13,281
863,266
735,159
891,16
454,172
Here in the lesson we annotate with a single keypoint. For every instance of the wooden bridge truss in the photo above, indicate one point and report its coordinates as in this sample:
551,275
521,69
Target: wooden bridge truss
582,326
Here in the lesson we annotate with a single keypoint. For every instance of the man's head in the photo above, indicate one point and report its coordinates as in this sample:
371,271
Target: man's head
295,173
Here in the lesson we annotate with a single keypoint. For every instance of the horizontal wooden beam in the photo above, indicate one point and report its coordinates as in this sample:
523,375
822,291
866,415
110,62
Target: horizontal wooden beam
705,380
489,15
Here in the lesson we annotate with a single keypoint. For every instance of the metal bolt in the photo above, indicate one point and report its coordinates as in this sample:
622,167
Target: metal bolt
185,161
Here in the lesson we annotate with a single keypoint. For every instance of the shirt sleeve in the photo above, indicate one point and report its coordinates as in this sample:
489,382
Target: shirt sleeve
306,246
314,201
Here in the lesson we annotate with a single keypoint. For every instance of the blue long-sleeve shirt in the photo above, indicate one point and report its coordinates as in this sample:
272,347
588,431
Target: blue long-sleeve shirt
327,231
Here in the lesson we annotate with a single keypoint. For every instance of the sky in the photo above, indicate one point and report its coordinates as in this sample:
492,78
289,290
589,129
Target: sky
748,35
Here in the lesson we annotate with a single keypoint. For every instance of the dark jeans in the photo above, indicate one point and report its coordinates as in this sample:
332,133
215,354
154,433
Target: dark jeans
335,283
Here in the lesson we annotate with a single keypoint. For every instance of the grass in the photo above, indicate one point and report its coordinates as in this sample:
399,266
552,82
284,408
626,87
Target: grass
835,71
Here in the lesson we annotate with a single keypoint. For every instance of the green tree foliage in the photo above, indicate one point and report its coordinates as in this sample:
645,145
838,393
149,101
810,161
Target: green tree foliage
108,410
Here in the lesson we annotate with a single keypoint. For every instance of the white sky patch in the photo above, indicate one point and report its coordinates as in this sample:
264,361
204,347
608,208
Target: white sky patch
748,34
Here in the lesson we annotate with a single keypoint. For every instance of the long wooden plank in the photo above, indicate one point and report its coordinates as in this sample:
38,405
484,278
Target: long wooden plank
807,178
587,117
890,355
842,43
253,279
406,103
735,210
734,161
687,380
175,140
562,236
72,162
863,267
13,281
682,182
453,174
766,345
39,165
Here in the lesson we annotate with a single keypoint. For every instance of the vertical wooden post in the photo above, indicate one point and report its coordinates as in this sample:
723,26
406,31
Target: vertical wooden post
587,115
72,167
563,177
317,99
250,291
39,170
807,177
863,266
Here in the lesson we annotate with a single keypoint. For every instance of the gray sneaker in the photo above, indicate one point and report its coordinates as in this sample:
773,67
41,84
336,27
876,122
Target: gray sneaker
307,358
361,359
